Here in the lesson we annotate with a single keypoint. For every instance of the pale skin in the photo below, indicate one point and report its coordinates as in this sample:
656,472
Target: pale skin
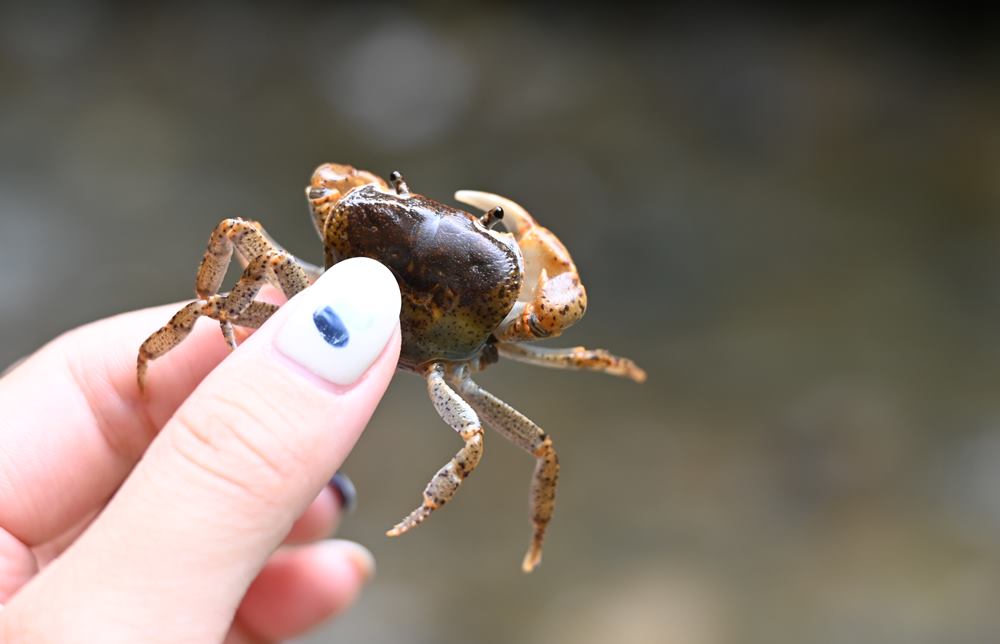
203,540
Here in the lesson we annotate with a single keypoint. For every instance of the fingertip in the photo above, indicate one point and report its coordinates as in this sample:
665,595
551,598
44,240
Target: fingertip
301,587
360,556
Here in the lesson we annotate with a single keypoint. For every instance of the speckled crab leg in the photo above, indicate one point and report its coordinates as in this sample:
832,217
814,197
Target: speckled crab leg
179,326
272,266
249,240
520,430
265,264
580,358
461,417
312,271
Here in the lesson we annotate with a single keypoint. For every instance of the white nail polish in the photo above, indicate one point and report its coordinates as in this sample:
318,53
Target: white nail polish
340,324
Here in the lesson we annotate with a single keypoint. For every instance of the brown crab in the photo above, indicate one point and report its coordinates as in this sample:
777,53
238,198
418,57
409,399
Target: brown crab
470,295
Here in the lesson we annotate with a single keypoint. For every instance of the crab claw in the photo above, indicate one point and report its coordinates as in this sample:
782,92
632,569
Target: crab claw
552,298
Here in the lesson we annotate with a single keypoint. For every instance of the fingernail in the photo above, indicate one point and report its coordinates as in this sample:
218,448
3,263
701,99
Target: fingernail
361,557
340,324
346,493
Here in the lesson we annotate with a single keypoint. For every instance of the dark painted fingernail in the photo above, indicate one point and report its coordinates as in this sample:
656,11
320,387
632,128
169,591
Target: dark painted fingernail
345,491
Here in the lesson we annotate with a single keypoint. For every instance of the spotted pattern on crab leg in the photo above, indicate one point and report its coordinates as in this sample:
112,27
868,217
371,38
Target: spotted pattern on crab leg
460,416
520,430
580,358
177,329
265,264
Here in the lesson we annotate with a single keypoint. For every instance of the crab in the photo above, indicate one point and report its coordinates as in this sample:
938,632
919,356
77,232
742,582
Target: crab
470,295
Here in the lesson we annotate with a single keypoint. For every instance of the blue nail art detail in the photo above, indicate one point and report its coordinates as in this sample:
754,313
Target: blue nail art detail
331,327
346,493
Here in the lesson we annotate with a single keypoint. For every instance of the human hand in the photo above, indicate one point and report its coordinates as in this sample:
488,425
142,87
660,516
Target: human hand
195,513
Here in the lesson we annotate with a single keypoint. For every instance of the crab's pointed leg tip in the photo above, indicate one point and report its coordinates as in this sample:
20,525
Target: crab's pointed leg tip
229,334
531,560
638,375
398,529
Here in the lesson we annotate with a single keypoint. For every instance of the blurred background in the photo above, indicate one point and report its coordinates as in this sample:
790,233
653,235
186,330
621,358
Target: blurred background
791,220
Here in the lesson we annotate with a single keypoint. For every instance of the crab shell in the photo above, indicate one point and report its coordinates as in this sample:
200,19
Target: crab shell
464,285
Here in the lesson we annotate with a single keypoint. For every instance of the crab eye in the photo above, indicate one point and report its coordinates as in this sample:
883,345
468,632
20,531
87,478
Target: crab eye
492,216
317,193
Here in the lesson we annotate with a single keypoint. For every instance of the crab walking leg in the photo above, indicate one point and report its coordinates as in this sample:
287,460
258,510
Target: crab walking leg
311,270
460,416
264,263
520,430
245,237
250,317
179,326
573,358
272,266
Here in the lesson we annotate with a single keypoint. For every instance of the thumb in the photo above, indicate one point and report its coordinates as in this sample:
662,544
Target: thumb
219,488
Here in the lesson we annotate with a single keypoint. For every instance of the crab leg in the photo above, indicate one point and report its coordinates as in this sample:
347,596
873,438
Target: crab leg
520,430
179,326
460,416
552,298
272,266
249,240
265,263
573,358
311,270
